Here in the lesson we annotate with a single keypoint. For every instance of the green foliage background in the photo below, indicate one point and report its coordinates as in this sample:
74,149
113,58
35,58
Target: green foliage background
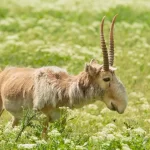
66,33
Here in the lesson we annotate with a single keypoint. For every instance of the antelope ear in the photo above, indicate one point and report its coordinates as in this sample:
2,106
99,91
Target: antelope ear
90,70
86,67
93,61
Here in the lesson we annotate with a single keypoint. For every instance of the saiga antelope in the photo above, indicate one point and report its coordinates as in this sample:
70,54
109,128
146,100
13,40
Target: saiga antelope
48,88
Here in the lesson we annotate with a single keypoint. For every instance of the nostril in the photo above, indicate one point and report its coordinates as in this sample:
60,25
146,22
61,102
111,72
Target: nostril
113,106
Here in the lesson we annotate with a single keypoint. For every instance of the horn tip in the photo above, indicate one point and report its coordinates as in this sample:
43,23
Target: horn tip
103,18
115,17
102,22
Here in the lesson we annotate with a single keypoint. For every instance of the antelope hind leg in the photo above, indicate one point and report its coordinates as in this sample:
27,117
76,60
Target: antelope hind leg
15,122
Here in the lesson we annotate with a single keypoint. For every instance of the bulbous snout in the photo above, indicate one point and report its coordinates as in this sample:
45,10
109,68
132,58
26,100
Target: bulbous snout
120,108
116,97
117,105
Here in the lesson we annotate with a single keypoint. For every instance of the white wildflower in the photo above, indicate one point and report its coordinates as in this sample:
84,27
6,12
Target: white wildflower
110,137
78,147
105,110
95,139
24,134
82,37
125,147
143,99
26,146
54,133
67,141
118,135
92,107
130,53
8,125
77,46
139,131
136,95
85,122
12,37
127,139
101,135
145,106
33,138
147,120
131,109
16,129
109,128
7,130
111,125
41,142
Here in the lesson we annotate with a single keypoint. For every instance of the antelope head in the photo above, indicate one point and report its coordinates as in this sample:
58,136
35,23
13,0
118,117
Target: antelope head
115,96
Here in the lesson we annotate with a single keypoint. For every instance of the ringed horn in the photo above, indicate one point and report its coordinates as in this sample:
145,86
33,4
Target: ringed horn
107,61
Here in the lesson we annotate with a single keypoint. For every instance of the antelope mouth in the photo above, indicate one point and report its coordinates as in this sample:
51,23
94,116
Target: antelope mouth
114,108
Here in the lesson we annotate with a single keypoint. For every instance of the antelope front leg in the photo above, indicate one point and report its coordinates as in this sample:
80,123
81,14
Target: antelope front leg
45,127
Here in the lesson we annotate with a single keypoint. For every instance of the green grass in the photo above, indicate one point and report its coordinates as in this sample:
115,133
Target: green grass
66,33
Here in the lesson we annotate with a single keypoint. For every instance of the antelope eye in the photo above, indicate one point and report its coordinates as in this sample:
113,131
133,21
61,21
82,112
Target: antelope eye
106,79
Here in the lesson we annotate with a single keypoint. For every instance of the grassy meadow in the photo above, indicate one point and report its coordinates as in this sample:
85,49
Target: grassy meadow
65,33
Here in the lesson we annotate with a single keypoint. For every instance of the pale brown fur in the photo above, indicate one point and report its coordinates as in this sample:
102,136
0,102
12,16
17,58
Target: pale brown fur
48,88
